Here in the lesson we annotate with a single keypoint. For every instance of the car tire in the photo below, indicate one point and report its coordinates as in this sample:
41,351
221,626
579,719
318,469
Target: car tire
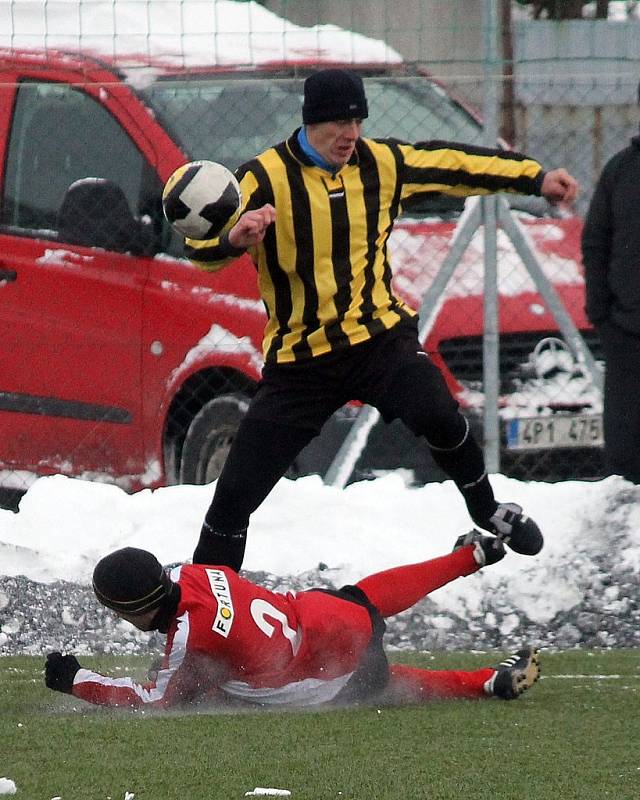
209,438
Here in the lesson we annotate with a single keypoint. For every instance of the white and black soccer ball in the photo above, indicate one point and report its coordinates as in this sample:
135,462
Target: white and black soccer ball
201,199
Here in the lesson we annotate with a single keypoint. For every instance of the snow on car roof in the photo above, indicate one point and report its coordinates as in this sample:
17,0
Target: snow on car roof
182,33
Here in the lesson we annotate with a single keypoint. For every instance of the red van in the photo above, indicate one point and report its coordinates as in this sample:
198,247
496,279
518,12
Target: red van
121,361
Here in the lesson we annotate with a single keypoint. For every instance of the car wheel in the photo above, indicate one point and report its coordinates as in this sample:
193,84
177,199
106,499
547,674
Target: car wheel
209,438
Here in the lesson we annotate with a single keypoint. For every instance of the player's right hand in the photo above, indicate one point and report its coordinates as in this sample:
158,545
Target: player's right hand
252,226
59,672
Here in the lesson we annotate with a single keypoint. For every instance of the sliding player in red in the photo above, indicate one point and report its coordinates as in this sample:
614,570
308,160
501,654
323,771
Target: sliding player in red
230,639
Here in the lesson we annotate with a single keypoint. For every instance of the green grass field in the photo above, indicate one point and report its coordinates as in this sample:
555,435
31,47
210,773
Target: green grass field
574,735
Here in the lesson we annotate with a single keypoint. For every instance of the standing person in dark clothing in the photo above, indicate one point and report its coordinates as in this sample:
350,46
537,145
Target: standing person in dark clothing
611,256
317,213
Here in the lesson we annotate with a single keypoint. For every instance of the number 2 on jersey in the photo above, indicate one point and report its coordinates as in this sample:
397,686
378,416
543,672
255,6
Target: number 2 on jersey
261,609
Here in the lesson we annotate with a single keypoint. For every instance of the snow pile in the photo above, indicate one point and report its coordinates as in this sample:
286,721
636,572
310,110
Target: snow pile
582,590
7,786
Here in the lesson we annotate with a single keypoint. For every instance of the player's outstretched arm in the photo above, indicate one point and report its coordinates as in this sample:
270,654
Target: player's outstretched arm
64,673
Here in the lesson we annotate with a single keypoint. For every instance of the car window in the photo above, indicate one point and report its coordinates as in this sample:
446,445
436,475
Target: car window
231,119
416,109
226,120
60,137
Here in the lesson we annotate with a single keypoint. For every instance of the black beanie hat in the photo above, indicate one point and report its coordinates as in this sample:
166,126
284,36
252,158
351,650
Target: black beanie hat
131,581
333,94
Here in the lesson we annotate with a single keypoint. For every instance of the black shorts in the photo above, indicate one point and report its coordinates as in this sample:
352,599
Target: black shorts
307,393
372,674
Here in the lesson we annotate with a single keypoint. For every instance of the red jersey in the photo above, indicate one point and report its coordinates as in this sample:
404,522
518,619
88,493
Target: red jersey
233,638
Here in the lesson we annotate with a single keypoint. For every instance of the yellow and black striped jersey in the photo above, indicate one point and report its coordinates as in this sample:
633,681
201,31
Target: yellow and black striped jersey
323,267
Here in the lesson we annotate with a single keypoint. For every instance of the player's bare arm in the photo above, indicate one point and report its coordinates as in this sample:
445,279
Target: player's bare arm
252,226
559,187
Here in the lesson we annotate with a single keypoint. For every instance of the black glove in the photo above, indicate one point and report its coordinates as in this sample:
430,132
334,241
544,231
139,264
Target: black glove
59,672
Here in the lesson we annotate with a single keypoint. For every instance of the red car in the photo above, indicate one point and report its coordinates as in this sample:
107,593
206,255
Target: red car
121,361
549,405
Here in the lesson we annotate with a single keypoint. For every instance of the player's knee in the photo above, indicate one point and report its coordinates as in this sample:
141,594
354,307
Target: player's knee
422,401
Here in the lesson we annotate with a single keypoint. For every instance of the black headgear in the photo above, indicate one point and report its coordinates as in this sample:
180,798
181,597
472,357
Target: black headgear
131,581
333,94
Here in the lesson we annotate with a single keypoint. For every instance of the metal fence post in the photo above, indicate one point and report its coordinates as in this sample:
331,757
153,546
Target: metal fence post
491,338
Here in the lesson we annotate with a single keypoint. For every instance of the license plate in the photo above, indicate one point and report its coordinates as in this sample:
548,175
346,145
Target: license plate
541,433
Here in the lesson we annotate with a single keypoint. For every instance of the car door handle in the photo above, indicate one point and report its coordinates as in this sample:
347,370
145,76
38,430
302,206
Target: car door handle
8,274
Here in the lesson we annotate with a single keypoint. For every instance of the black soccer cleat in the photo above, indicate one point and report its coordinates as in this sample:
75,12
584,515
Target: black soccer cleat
515,529
487,550
515,674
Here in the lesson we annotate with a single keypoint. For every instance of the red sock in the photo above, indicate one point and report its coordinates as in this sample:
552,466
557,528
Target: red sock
397,589
410,684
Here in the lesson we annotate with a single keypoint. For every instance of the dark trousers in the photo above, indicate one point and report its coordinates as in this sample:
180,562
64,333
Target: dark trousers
621,415
390,372
372,675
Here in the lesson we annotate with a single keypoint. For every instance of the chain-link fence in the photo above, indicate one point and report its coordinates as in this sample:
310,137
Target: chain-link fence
123,362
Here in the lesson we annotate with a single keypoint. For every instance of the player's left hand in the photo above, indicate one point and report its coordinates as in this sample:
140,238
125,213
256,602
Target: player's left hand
559,187
59,672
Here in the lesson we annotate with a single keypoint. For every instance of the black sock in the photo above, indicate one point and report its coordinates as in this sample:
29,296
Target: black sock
220,548
480,501
465,464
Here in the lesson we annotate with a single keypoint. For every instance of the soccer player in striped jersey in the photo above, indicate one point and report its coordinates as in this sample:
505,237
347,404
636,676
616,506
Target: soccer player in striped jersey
317,212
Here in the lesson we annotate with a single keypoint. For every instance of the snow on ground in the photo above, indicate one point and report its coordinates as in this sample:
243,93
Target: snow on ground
583,588
64,526
7,786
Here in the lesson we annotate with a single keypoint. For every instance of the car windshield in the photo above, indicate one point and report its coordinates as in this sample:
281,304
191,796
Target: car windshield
231,119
